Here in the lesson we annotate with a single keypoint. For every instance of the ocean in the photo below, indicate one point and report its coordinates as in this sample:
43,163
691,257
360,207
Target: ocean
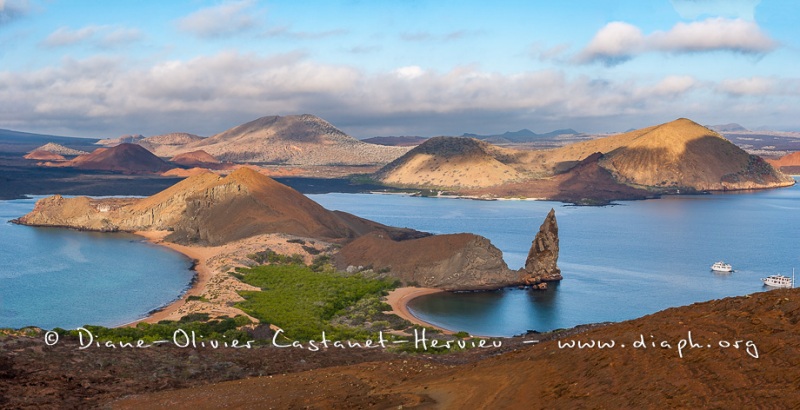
52,277
619,262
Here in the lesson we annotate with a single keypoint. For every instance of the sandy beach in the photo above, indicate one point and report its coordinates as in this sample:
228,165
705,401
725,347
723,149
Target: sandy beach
219,290
398,299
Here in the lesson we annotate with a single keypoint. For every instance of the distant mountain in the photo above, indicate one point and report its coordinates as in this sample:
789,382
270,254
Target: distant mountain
396,141
523,135
60,149
42,155
125,158
294,140
125,139
732,127
25,142
163,145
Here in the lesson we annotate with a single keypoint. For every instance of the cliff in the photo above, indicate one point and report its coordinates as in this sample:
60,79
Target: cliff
451,262
210,210
541,264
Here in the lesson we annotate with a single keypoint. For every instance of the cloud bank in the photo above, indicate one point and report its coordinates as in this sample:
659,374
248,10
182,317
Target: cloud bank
618,42
206,95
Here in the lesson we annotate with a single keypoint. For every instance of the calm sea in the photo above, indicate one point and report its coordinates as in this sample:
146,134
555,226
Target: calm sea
64,278
618,262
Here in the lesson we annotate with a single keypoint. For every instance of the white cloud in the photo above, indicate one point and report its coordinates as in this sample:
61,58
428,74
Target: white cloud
618,41
66,36
98,36
225,20
714,34
614,43
749,86
205,95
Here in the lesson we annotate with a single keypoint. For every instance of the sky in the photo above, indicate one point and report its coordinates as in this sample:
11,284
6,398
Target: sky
406,67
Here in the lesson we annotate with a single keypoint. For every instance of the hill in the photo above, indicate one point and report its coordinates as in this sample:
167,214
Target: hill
685,155
686,357
197,158
42,155
677,156
293,140
452,162
209,209
164,145
124,139
732,127
60,149
125,158
789,163
521,136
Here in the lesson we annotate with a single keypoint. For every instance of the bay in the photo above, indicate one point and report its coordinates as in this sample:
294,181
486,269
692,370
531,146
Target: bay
52,277
619,262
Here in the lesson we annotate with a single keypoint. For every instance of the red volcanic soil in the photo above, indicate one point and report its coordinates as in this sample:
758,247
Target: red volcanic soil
197,158
789,163
125,158
739,352
42,155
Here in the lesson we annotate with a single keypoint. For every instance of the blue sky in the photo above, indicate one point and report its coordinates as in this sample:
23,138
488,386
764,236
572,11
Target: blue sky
415,67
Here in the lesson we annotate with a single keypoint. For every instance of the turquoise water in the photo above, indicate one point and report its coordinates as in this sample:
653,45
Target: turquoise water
53,277
618,262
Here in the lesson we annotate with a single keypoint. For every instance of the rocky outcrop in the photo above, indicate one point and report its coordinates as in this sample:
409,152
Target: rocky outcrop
542,262
450,262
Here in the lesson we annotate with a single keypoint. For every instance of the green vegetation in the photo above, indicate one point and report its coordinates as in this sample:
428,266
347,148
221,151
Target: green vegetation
272,257
304,303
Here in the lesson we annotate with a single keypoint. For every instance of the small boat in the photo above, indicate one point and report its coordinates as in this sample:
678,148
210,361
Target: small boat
721,267
779,281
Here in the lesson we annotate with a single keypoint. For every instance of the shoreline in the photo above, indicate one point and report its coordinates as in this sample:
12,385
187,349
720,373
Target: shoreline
201,270
398,299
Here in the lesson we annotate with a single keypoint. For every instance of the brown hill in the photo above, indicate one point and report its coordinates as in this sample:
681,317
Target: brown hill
42,155
452,262
197,158
60,149
789,163
166,145
209,209
732,353
683,153
295,140
676,156
126,158
447,162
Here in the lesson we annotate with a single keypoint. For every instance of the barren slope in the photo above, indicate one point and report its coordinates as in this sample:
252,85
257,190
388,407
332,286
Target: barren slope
452,162
294,139
126,158
708,372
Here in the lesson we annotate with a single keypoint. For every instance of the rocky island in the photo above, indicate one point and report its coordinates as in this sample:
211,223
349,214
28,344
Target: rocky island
218,220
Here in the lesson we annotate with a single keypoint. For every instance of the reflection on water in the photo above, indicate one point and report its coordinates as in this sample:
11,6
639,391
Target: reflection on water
618,262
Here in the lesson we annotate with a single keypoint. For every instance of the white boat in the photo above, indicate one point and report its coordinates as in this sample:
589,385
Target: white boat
721,267
779,281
